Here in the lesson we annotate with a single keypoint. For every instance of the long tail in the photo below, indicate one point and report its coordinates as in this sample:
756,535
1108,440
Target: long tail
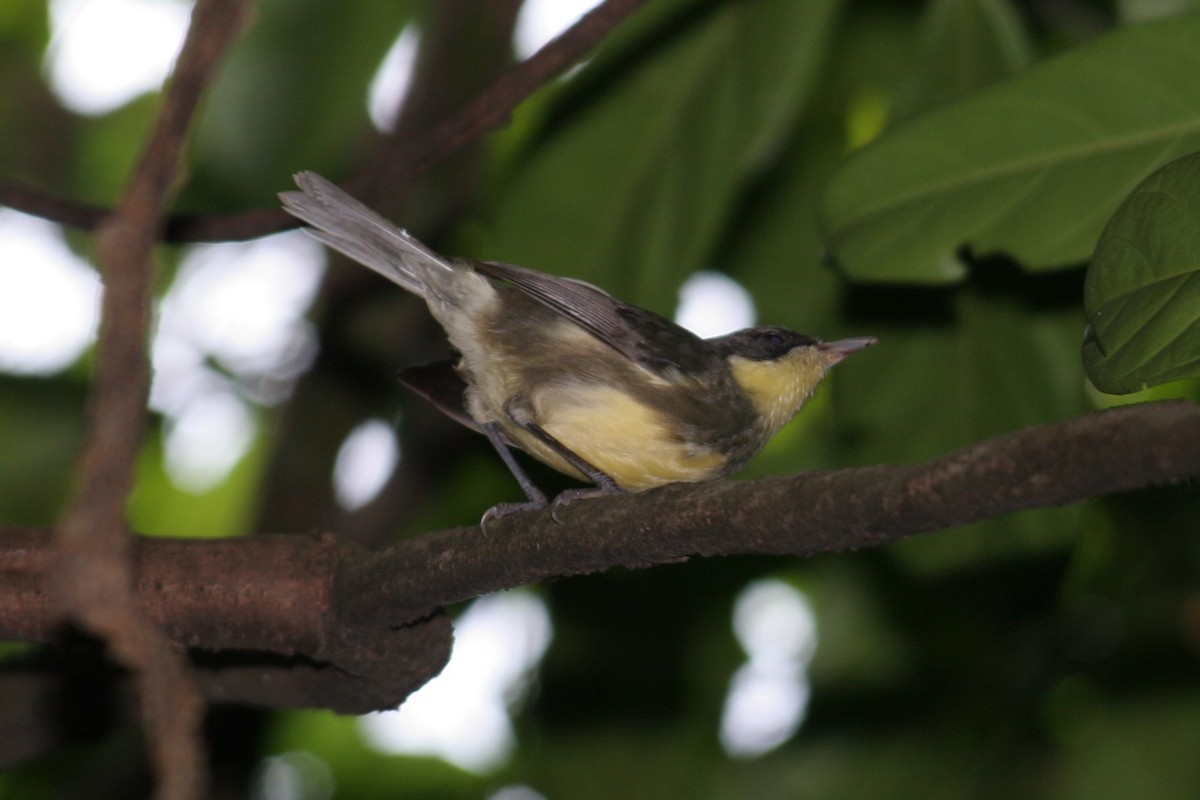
346,225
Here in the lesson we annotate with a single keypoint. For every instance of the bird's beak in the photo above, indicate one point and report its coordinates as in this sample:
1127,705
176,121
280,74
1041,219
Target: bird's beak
836,351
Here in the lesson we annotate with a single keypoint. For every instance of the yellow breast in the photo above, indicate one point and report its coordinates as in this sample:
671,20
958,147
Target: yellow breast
779,388
622,437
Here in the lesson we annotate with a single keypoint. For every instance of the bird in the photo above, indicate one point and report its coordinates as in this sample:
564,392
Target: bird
595,387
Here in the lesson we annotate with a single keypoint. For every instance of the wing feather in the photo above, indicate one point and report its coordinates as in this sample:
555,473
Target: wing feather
648,339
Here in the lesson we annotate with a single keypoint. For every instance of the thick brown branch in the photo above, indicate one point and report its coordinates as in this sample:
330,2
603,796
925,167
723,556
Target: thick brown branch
848,509
367,615
488,111
93,575
265,601
257,612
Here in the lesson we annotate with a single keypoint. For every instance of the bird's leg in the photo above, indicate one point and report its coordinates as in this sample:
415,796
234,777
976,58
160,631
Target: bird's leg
521,413
605,485
536,498
601,479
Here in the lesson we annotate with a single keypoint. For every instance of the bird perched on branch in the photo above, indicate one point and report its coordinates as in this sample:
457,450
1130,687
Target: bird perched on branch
593,386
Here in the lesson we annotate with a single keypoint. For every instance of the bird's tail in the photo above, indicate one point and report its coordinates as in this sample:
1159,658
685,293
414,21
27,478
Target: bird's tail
348,226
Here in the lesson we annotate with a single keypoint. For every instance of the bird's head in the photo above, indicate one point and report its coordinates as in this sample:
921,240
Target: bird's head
779,369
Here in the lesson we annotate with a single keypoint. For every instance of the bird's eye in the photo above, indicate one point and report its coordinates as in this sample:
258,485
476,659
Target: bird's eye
775,337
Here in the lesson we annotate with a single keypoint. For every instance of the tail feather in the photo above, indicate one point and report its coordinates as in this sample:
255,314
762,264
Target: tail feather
348,226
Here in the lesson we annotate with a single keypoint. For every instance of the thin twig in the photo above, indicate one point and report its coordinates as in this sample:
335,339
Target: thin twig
94,575
493,108
490,110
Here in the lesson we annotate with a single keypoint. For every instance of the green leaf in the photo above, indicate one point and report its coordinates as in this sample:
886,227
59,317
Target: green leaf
635,189
1032,167
1003,356
775,251
967,45
1142,295
287,122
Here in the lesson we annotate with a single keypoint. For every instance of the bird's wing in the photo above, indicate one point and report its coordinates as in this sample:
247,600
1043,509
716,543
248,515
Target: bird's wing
649,340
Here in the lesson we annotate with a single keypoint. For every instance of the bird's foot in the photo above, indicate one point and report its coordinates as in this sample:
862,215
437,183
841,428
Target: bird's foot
501,510
603,488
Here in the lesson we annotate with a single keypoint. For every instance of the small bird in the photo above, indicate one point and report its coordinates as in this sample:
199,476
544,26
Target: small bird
595,387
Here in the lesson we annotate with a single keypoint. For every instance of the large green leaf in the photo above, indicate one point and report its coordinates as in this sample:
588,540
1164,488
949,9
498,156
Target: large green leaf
636,188
953,367
260,122
1143,289
1032,167
967,45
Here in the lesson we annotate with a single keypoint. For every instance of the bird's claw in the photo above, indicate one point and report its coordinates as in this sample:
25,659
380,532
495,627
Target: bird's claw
504,509
569,496
538,502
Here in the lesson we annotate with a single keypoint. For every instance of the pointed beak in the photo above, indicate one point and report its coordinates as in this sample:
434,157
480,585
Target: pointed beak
836,351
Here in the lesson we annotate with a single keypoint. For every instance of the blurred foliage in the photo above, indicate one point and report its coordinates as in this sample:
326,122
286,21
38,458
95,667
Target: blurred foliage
1050,654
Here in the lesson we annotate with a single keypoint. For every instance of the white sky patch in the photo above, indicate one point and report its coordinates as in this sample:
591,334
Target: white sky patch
541,20
104,53
244,302
516,792
713,304
390,85
462,715
241,305
206,439
364,463
297,775
769,694
49,297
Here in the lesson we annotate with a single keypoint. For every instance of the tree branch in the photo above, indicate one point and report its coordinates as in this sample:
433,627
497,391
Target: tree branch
489,110
255,610
372,617
92,575
802,515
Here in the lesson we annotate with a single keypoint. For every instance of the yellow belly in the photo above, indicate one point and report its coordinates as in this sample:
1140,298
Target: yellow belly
621,437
